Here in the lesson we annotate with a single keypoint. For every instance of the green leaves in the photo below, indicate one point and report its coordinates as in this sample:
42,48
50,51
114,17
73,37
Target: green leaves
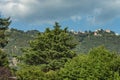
98,64
30,73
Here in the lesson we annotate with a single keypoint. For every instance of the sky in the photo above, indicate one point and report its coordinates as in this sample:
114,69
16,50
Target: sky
78,15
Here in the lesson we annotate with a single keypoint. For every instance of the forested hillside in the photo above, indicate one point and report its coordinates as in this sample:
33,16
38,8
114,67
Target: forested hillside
18,39
89,39
85,40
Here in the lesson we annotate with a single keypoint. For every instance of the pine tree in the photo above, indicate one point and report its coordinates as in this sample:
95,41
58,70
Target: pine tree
51,49
4,23
5,72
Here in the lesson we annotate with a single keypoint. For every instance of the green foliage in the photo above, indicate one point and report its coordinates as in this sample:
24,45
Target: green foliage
30,73
35,73
18,39
5,71
51,75
99,64
4,23
3,59
51,49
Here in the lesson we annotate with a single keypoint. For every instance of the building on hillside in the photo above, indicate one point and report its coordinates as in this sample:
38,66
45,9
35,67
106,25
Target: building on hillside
95,34
75,33
108,31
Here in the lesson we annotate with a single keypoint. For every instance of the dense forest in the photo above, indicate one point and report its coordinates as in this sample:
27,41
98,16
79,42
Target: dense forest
58,54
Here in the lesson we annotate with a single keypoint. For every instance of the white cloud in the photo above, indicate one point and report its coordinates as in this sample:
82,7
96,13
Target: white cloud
40,11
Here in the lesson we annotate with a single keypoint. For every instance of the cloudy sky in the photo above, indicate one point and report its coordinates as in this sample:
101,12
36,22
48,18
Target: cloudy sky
76,14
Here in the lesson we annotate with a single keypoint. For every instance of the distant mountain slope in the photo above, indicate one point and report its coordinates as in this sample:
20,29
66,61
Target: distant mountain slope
110,42
89,40
19,39
86,40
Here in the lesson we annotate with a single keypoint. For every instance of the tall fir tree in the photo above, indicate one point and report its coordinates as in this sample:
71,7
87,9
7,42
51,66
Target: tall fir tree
4,23
5,72
50,49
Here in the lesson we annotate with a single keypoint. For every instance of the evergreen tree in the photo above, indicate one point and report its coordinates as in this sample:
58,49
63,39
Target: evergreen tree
5,72
51,49
3,59
4,23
